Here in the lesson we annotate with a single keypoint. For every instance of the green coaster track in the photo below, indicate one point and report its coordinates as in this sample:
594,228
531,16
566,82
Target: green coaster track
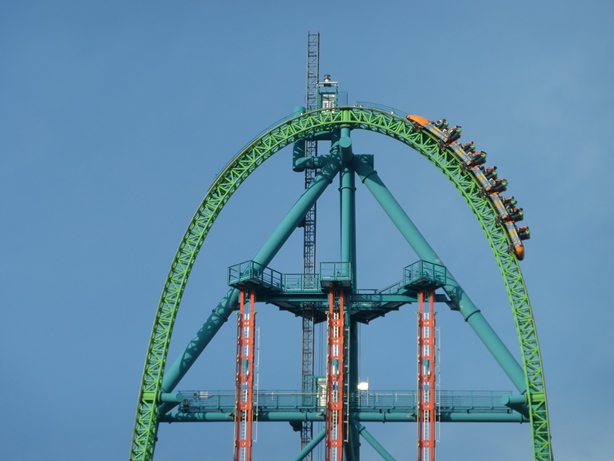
246,162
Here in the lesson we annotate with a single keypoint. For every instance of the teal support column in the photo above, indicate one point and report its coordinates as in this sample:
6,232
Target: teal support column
298,155
347,192
362,430
274,243
174,398
514,400
468,310
517,403
311,445
345,145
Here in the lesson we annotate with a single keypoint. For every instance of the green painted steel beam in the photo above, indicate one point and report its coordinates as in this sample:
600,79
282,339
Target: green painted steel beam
287,132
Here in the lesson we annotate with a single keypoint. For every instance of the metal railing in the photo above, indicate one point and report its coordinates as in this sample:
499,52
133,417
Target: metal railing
253,271
336,271
302,282
364,401
425,271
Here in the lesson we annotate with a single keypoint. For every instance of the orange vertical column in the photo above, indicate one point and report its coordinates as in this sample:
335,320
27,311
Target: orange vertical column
426,379
335,378
431,377
244,398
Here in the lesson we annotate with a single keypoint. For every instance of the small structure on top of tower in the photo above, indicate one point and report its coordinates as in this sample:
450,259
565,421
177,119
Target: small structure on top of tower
328,92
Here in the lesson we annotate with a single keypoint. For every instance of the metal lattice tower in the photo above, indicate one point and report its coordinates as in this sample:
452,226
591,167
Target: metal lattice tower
313,70
309,241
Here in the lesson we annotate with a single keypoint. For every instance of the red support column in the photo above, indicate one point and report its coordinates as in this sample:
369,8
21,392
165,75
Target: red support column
426,379
335,378
244,398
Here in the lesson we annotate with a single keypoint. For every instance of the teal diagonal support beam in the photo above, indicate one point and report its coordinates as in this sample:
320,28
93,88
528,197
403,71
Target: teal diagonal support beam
362,430
310,446
467,308
268,251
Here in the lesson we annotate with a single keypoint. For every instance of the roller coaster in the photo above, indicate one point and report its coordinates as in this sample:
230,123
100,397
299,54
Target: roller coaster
491,185
333,296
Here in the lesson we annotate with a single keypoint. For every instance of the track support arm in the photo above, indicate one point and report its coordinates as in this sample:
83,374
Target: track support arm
268,251
468,310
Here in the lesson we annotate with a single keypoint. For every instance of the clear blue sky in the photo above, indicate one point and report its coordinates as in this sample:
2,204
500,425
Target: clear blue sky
115,117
